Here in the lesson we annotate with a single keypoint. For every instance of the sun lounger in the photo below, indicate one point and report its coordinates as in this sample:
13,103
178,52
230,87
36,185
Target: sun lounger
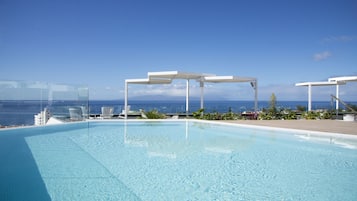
75,114
107,112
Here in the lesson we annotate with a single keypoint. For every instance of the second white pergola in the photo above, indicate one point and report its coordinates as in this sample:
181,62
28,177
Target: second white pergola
331,81
310,84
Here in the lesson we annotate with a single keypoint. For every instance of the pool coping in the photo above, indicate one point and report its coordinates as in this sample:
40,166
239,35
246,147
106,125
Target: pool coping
268,125
239,124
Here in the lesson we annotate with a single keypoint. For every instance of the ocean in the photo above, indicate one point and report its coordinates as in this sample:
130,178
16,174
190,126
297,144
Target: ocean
22,112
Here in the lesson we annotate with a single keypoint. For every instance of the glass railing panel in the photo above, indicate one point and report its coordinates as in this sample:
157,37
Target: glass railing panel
34,103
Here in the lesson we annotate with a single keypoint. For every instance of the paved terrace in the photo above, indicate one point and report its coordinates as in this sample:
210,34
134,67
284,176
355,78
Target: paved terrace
332,126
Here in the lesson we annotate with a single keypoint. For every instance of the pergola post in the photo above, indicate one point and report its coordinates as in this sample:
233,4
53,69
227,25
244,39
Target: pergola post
255,96
309,98
201,86
187,95
337,97
126,100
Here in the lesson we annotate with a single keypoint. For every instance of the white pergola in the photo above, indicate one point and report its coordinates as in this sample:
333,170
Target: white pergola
331,81
166,77
310,84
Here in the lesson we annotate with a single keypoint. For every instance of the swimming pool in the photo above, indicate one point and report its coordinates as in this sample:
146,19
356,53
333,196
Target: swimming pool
174,160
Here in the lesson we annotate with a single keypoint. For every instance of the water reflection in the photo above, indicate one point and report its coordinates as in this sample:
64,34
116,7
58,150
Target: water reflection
180,140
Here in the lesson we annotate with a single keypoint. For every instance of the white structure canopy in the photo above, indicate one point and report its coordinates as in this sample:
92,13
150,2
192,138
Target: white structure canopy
331,81
166,77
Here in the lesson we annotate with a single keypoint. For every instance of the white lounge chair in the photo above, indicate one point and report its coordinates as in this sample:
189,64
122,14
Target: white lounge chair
175,117
127,109
54,120
75,114
143,115
107,112
85,113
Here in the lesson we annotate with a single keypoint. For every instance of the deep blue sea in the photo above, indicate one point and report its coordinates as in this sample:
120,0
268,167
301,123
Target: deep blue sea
22,112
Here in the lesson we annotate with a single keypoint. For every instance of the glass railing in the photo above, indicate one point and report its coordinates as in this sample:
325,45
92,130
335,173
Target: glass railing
36,103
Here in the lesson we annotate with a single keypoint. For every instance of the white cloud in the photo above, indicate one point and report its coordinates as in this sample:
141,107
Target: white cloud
343,38
322,56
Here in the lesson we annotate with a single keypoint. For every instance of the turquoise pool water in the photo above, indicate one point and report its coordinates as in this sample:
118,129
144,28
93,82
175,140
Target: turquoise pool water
174,160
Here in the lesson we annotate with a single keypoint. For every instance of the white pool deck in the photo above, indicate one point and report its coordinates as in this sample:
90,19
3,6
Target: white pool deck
330,126
320,126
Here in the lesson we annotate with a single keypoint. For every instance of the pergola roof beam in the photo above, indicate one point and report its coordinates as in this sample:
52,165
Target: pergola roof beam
344,79
217,79
148,81
323,83
177,75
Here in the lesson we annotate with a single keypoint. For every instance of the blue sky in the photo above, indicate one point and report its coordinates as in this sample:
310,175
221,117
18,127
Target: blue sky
102,43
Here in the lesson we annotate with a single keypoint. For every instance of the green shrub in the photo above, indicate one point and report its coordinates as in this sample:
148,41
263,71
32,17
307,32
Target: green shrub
265,116
310,115
326,115
198,114
230,116
288,115
154,114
